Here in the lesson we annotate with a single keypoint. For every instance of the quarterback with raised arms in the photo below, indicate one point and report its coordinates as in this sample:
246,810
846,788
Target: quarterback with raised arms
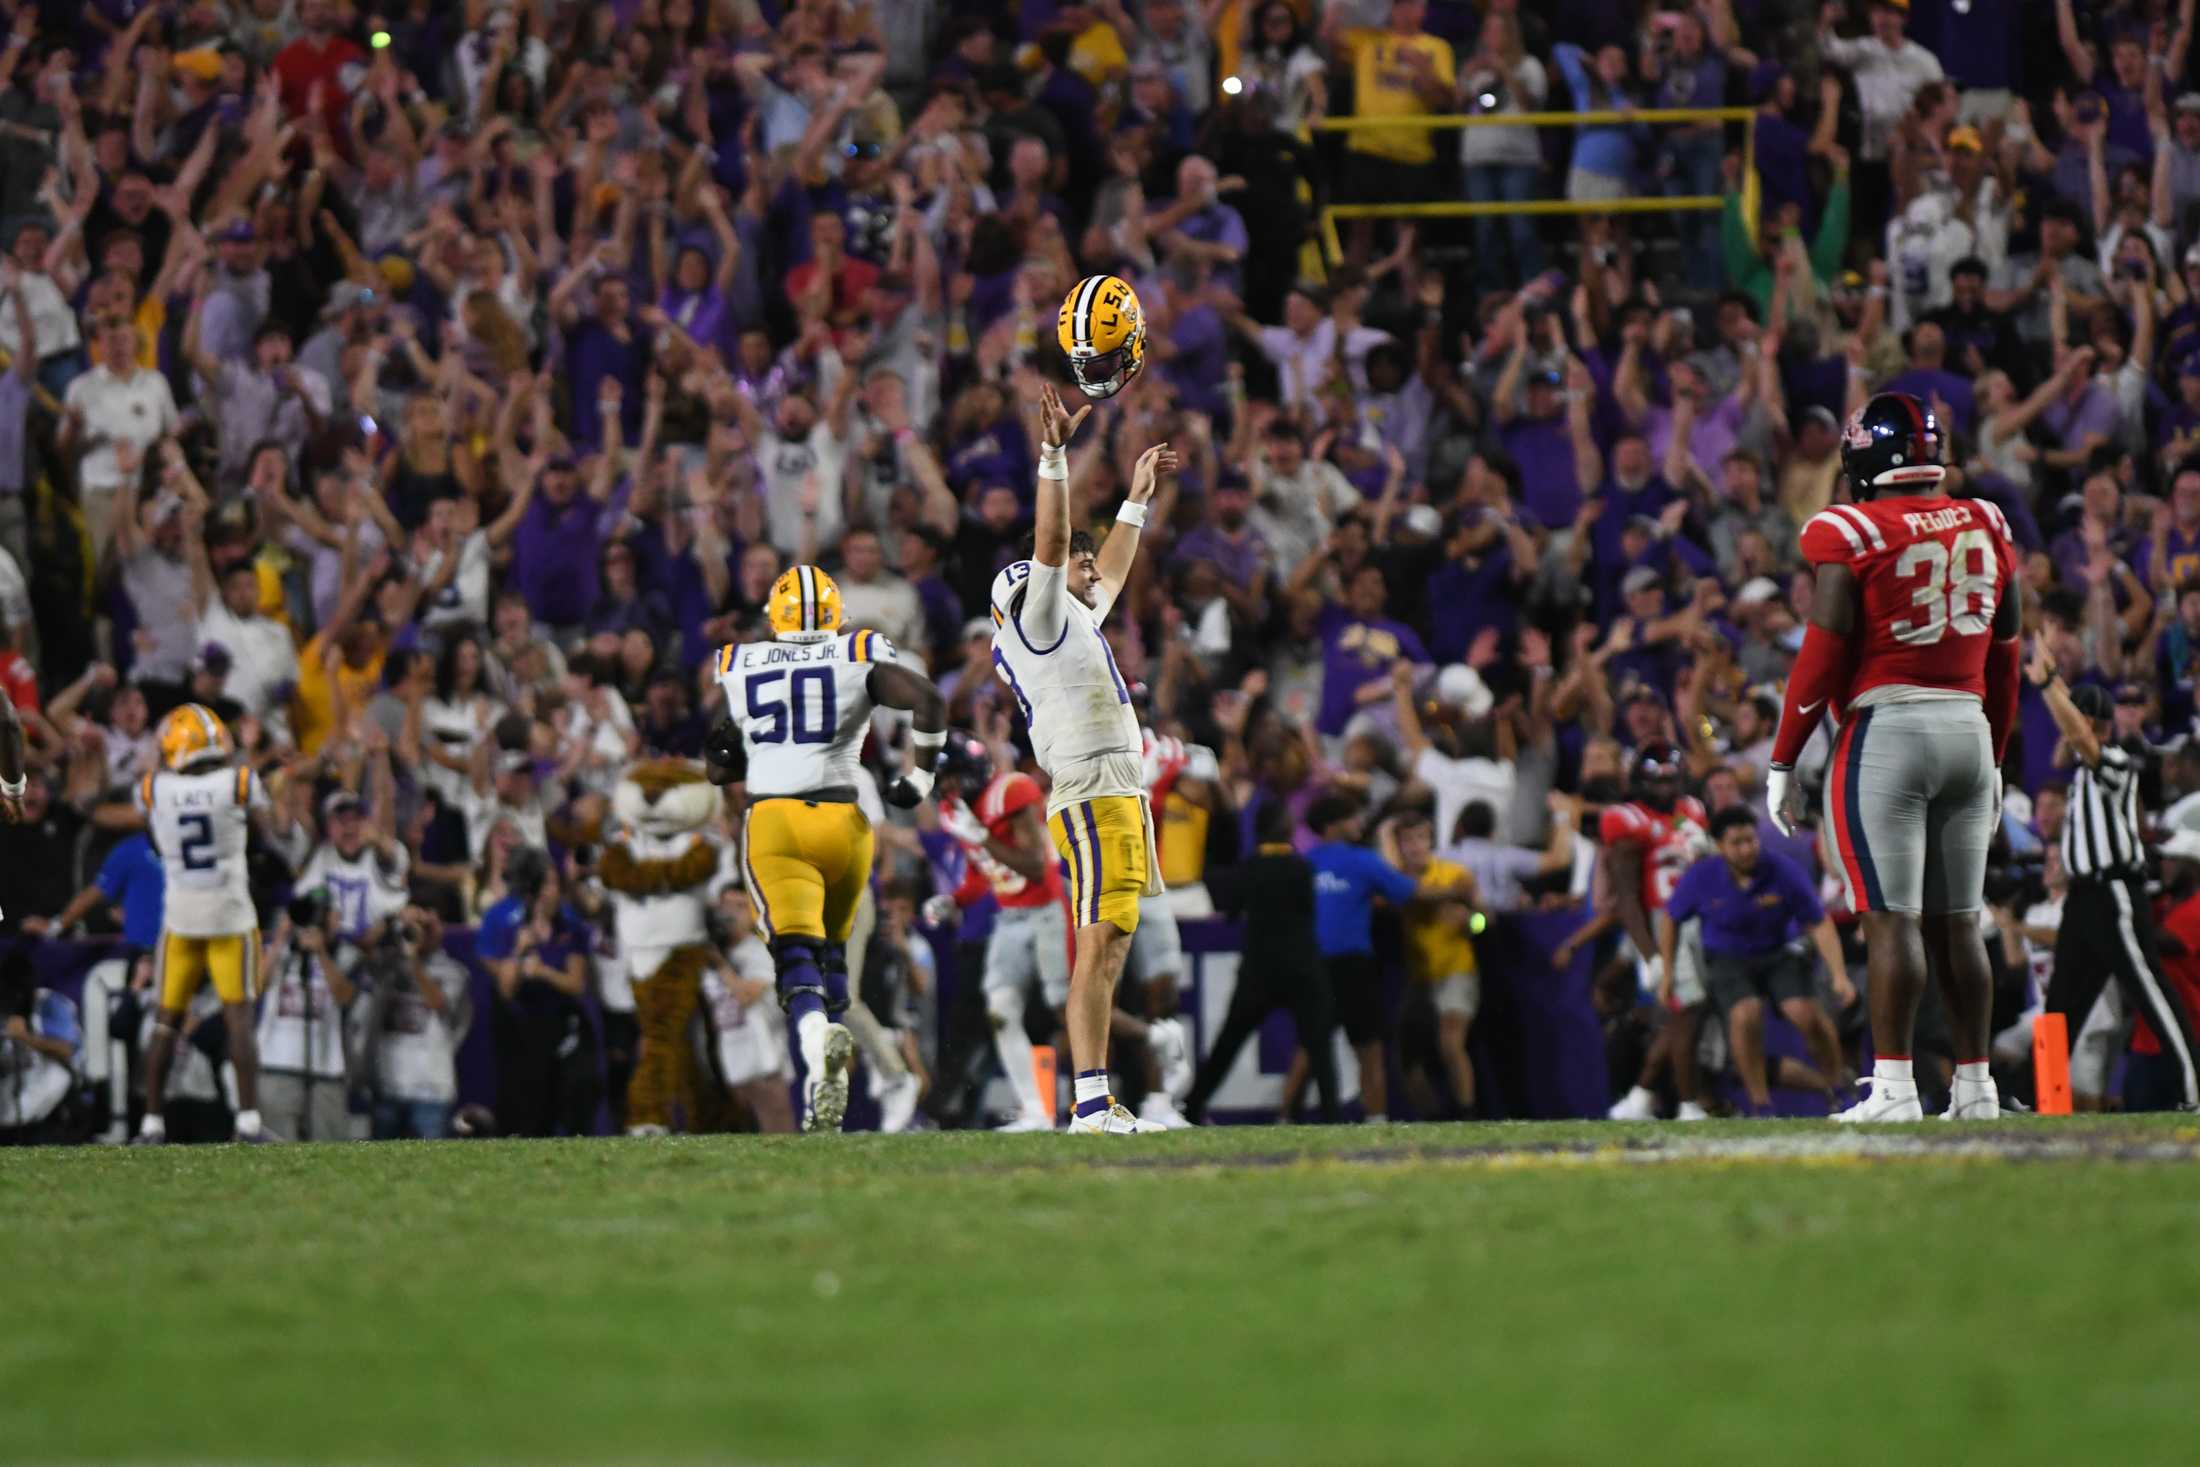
1049,649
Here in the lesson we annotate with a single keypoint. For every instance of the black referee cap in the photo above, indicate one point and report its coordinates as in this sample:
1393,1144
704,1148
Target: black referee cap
2093,701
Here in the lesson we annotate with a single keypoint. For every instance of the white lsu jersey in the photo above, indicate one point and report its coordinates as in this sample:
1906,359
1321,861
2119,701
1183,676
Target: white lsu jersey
1055,659
198,822
803,709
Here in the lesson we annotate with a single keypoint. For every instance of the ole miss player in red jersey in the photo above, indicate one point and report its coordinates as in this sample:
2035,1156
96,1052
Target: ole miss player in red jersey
1912,645
1000,822
1648,842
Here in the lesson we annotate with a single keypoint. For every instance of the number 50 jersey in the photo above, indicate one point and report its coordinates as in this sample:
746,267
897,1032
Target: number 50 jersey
802,708
199,821
1932,571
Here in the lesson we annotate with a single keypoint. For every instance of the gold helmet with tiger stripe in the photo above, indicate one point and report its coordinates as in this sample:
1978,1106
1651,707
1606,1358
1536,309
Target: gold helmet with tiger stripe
194,734
1103,333
804,605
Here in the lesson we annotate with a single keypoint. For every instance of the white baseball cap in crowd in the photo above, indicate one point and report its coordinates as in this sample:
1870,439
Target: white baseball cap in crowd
1463,688
1756,589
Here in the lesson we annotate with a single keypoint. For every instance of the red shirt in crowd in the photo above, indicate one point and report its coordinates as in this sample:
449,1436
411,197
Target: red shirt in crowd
850,281
303,63
20,679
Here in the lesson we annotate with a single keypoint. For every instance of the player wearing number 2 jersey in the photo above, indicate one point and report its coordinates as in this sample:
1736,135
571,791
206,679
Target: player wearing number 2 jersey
199,809
798,708
1912,645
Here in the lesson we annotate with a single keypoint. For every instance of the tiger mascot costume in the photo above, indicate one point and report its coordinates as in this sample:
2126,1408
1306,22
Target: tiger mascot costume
660,865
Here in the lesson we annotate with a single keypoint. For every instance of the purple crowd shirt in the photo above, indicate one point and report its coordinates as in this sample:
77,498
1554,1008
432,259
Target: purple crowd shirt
1356,650
555,554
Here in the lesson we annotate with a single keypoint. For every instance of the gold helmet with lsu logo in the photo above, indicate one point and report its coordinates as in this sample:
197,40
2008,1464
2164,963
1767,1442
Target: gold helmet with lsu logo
1103,333
193,734
804,605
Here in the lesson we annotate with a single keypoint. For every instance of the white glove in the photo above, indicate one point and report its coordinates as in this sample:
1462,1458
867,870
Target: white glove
958,822
938,910
1997,800
1654,965
1776,796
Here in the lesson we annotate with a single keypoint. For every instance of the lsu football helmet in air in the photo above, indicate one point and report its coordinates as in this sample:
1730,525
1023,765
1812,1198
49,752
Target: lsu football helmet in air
1103,333
804,605
192,735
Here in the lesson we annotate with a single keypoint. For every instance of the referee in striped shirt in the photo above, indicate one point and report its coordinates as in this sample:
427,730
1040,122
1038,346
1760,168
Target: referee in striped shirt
2107,925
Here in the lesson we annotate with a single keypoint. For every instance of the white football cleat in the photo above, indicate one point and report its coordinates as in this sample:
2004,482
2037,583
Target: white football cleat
1159,1113
825,1101
1114,1121
897,1104
1973,1101
1028,1122
1689,1110
1637,1104
1173,1052
1890,1103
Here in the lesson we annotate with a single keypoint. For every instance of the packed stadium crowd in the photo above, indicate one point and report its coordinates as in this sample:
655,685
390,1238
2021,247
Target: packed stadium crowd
432,390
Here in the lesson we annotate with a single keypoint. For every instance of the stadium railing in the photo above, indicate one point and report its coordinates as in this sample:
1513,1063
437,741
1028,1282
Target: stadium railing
1463,209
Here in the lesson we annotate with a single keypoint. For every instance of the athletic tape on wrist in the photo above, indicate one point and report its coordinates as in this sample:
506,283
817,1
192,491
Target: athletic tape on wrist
1132,514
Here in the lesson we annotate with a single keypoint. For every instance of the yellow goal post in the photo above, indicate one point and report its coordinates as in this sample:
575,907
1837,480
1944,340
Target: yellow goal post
1462,209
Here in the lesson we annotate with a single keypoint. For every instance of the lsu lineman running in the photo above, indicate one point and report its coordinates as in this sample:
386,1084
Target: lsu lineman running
199,810
1049,649
798,707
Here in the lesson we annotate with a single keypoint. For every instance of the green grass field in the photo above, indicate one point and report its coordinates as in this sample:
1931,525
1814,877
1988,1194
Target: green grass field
1516,1294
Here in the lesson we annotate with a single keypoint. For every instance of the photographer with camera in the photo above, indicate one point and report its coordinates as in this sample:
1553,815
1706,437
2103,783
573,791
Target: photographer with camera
2026,905
1503,163
303,1094
39,1037
417,1013
537,948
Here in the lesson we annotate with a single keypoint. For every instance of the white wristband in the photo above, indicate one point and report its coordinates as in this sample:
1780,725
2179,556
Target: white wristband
927,744
1132,514
13,789
1053,461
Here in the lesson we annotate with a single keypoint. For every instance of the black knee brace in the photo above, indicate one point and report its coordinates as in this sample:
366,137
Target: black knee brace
836,978
801,965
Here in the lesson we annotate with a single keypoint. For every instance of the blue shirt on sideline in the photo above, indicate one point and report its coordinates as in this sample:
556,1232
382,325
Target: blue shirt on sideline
1347,878
133,878
1745,920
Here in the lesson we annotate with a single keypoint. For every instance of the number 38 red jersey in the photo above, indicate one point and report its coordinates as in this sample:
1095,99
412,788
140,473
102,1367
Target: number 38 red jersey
1932,570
